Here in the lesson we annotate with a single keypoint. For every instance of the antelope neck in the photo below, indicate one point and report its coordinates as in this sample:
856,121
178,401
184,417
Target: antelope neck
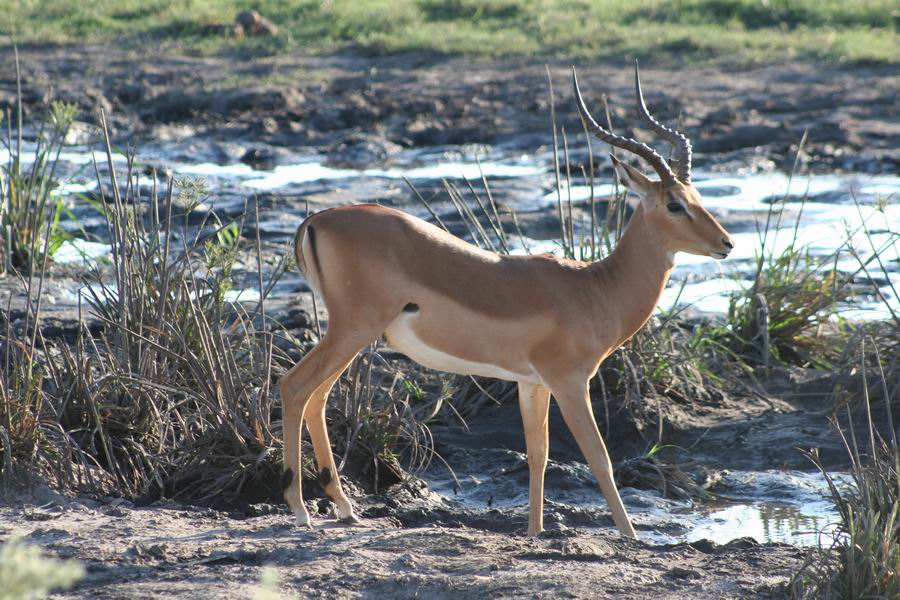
634,275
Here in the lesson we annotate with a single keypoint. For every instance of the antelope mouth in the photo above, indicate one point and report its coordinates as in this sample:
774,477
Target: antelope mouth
720,255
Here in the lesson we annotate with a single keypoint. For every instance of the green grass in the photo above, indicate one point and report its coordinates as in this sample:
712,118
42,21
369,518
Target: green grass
731,30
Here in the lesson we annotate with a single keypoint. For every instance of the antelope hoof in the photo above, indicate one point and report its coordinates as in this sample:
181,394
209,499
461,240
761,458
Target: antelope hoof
345,511
350,520
302,519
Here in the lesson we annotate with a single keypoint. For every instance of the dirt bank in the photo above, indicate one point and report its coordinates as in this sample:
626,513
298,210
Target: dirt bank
172,551
362,109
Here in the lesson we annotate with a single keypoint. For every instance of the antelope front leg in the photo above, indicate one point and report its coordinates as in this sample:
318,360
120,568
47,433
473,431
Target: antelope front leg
534,402
575,405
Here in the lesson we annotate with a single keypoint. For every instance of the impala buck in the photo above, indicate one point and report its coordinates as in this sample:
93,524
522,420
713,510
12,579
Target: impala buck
541,321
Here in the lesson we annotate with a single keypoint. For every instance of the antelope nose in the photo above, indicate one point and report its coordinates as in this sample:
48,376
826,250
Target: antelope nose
728,243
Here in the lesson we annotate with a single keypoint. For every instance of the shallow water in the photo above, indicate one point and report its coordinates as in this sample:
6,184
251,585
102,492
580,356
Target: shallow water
788,507
831,209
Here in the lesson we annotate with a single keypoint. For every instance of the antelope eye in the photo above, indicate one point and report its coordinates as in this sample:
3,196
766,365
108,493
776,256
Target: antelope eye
674,207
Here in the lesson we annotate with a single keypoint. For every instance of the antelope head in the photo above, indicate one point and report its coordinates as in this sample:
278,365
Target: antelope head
672,205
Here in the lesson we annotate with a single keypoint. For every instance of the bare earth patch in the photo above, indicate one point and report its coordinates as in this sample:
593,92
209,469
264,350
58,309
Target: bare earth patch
179,551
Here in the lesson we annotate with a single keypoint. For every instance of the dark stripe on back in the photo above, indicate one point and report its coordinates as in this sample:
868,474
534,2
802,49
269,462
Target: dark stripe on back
312,244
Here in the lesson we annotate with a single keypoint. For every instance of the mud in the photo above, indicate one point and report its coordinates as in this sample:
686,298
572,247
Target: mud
463,535
362,110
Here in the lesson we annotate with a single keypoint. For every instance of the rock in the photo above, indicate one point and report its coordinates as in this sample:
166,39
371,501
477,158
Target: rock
175,105
130,93
361,151
263,159
82,134
254,23
705,546
682,573
742,136
224,29
742,543
172,133
257,100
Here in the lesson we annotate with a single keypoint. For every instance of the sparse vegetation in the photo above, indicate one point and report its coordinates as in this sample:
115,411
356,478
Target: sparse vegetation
785,313
173,395
730,30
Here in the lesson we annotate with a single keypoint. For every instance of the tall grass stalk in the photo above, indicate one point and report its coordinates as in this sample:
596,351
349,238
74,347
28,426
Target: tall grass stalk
32,439
27,183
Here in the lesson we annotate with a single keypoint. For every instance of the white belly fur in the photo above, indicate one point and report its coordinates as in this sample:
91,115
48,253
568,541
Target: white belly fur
401,337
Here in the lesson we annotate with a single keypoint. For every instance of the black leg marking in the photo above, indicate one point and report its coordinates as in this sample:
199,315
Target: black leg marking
312,244
411,308
325,477
287,478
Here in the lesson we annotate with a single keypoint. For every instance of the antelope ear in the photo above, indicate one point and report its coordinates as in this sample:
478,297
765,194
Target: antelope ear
632,179
674,164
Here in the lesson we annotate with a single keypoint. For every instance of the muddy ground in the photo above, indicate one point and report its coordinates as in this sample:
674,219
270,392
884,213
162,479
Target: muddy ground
362,111
413,543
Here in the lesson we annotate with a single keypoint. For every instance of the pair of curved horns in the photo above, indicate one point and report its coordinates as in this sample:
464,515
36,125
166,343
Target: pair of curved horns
682,162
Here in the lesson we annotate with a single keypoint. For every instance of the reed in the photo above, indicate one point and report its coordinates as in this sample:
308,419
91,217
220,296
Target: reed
27,186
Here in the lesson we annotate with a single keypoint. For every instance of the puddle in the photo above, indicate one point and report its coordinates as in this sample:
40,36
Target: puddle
788,507
787,523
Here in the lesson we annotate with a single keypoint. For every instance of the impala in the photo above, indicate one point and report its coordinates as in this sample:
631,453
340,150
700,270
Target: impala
541,321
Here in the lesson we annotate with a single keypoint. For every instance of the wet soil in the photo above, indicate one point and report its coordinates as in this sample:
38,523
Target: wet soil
363,109
414,542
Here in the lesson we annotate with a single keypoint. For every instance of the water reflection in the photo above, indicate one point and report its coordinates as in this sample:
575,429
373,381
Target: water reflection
787,523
